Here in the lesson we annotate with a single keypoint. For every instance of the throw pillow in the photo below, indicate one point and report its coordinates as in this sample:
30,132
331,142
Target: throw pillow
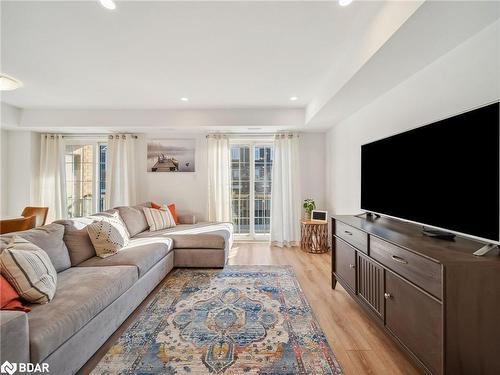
108,235
171,208
29,270
159,219
9,299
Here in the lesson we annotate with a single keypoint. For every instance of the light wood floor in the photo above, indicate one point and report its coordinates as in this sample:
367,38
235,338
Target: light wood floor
360,346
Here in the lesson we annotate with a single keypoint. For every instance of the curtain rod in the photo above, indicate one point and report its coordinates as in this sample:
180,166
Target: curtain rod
106,135
258,135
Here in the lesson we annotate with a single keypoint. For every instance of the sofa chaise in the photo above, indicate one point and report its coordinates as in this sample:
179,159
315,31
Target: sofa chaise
94,296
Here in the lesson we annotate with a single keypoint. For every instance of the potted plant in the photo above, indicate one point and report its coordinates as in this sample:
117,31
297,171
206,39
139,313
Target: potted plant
309,205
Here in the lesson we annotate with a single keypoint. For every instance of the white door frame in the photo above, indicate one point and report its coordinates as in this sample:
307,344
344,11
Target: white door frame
251,143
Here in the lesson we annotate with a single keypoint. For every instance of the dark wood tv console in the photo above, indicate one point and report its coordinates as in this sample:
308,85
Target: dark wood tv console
440,303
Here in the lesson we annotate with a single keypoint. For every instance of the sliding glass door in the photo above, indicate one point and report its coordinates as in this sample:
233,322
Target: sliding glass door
251,180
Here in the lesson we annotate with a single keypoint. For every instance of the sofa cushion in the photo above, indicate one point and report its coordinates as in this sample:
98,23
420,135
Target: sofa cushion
193,236
29,270
108,235
199,258
134,218
48,238
77,239
82,292
159,219
143,253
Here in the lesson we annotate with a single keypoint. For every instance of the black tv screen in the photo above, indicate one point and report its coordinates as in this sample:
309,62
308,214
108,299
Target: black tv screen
443,175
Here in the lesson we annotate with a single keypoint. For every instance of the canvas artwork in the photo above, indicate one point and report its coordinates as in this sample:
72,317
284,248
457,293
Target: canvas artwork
171,155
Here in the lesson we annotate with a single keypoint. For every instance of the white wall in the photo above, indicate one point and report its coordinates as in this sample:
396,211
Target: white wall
189,191
312,168
464,78
4,141
20,165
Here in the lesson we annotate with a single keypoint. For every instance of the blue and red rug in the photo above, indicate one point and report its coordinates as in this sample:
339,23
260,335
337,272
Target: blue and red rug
239,320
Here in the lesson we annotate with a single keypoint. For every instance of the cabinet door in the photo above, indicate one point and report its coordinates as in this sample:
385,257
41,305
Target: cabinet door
371,284
415,318
345,263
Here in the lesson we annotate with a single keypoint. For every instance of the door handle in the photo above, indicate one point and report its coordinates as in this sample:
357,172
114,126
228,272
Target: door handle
352,266
399,259
387,295
347,232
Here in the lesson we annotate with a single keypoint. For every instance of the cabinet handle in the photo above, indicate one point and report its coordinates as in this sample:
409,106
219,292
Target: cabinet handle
387,295
399,260
352,266
347,232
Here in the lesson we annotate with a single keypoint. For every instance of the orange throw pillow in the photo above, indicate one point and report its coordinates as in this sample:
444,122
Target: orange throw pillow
9,298
171,208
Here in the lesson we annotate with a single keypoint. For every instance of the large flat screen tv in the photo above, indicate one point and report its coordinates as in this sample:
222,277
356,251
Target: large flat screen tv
443,175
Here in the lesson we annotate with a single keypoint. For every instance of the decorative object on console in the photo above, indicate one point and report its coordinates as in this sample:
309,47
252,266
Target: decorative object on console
243,319
108,234
309,205
314,237
29,270
171,155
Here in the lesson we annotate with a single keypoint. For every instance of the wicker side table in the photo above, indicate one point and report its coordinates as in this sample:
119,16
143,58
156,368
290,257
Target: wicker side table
314,237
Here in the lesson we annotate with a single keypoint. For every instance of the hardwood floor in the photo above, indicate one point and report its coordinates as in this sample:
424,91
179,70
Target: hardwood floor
360,346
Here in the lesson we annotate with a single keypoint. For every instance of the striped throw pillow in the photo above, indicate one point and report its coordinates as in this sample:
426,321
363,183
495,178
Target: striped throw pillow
108,234
158,219
29,270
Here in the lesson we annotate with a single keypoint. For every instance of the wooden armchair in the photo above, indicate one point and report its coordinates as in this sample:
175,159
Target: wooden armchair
17,225
39,212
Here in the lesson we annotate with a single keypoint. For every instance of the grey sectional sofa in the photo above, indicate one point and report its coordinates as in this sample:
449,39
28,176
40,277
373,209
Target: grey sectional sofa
94,296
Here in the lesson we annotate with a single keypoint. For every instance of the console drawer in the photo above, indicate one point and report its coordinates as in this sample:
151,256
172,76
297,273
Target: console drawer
419,270
355,237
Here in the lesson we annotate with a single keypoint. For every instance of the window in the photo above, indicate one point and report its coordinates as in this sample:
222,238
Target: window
251,174
85,177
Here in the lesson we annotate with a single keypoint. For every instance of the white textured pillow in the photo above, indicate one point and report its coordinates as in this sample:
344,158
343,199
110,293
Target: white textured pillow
108,234
29,270
159,219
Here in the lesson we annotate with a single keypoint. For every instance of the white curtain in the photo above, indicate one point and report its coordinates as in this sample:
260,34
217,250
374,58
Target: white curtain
52,188
121,171
285,196
219,198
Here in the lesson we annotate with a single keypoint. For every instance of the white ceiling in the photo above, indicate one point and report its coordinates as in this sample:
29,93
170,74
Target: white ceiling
149,54
83,65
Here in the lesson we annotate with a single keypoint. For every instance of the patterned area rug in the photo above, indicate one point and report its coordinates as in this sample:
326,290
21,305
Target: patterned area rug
239,320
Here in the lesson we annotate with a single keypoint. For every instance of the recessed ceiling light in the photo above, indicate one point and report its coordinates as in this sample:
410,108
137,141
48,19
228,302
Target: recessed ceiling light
184,99
108,4
293,98
8,83
344,3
